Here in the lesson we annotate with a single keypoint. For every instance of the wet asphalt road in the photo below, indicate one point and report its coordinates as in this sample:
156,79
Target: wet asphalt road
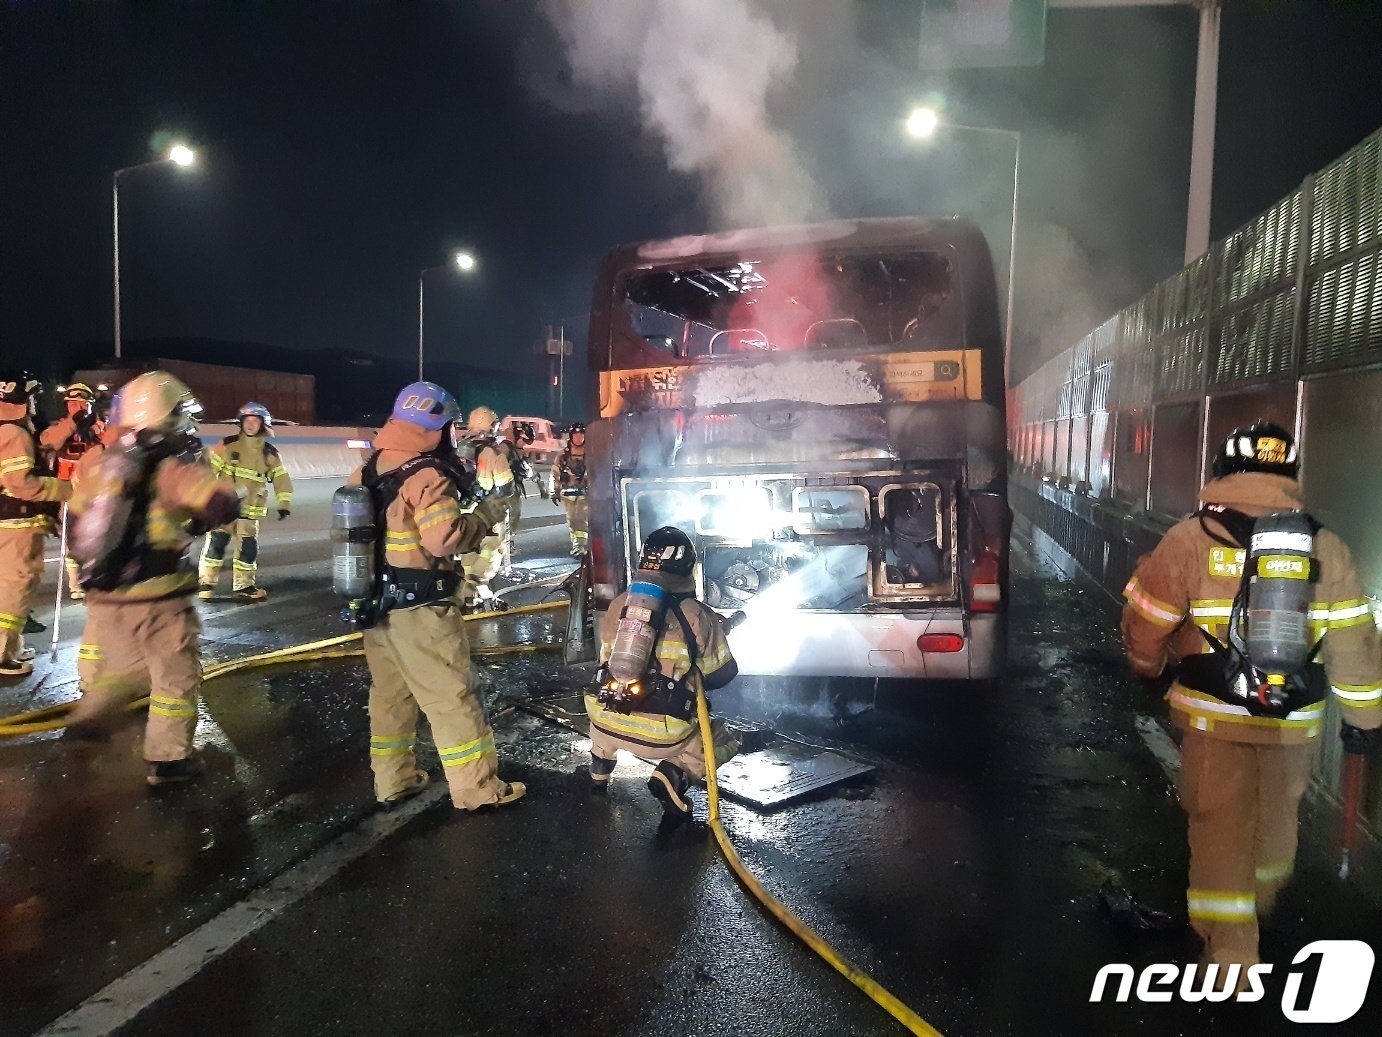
963,874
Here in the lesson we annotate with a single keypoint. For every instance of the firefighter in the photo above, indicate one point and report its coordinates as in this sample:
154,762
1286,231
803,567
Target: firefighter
418,653
1244,766
687,646
67,441
29,506
140,607
569,487
252,463
510,447
494,477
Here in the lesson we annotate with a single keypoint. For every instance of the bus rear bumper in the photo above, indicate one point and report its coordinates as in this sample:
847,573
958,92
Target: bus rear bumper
823,644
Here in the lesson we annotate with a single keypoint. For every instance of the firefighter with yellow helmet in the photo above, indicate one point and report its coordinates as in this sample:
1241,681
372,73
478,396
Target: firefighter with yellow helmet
494,478
135,513
1244,601
416,648
659,648
254,464
30,500
569,479
67,441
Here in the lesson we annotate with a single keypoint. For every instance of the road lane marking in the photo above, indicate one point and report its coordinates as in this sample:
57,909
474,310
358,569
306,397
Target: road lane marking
121,1001
1161,746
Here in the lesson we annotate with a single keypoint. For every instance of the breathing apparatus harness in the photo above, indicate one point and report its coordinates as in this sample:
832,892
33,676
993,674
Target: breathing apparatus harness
13,507
1267,664
641,685
371,586
571,471
110,540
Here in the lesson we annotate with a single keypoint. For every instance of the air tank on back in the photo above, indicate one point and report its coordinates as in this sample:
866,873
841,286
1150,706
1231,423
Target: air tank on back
637,631
1282,578
353,534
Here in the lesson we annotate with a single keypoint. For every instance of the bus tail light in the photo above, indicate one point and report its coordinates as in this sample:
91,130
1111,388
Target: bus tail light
941,643
985,591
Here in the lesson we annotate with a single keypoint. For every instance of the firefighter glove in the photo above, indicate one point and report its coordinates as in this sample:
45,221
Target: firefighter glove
283,513
1358,742
491,511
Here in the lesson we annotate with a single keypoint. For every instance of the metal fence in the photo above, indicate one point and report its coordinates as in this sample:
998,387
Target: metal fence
1282,319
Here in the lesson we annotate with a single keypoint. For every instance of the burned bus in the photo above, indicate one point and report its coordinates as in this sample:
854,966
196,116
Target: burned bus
821,409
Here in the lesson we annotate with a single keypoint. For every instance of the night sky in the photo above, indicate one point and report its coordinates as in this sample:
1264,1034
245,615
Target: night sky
345,145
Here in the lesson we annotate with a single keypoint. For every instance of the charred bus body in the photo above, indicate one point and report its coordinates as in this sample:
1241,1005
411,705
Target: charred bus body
821,409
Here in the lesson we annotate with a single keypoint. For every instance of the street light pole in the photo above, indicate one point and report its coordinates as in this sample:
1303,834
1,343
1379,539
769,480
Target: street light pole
115,236
420,278
465,263
178,155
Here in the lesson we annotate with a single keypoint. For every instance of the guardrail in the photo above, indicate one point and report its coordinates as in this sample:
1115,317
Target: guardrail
309,451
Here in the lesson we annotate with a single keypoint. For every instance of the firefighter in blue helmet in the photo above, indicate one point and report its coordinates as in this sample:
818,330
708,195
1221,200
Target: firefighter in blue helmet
417,650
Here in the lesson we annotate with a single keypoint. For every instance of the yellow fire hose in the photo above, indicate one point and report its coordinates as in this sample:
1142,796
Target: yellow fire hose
54,718
879,994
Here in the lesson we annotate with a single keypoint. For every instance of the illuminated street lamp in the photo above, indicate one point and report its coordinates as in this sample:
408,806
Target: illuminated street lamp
465,263
922,123
179,155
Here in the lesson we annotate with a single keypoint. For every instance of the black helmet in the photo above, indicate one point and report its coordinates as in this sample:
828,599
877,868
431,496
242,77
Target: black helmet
17,386
670,551
577,426
1259,447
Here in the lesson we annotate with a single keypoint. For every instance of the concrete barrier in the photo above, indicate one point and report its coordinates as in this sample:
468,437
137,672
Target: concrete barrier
310,451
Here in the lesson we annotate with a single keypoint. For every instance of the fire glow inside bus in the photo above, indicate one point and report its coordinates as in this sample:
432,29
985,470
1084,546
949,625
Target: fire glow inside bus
821,408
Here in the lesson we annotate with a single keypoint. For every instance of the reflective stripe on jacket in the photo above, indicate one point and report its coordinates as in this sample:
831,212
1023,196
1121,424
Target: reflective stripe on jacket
673,660
1187,584
17,477
253,463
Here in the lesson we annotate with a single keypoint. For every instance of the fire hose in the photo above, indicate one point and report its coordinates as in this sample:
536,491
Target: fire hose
53,718
876,992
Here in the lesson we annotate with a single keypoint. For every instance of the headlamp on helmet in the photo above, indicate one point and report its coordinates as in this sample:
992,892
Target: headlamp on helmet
1260,447
668,550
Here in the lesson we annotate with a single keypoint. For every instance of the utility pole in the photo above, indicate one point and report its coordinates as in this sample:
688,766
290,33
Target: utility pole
1206,108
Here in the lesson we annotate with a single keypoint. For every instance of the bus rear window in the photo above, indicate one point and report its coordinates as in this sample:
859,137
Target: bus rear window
795,302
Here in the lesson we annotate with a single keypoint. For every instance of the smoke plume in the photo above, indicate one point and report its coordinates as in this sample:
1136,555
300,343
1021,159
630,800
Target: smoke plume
702,72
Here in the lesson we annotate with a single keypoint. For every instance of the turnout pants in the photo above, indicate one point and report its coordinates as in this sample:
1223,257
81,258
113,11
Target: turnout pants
153,644
245,565
420,658
687,754
1242,803
484,563
21,567
577,520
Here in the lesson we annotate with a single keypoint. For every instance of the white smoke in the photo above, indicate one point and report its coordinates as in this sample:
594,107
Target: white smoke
703,72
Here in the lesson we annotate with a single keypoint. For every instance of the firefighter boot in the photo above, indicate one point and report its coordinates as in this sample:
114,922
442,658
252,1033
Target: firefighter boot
420,780
668,786
249,595
171,772
600,771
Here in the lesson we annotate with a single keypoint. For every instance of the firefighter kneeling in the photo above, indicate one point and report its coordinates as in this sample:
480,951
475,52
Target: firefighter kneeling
658,647
1245,595
415,642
